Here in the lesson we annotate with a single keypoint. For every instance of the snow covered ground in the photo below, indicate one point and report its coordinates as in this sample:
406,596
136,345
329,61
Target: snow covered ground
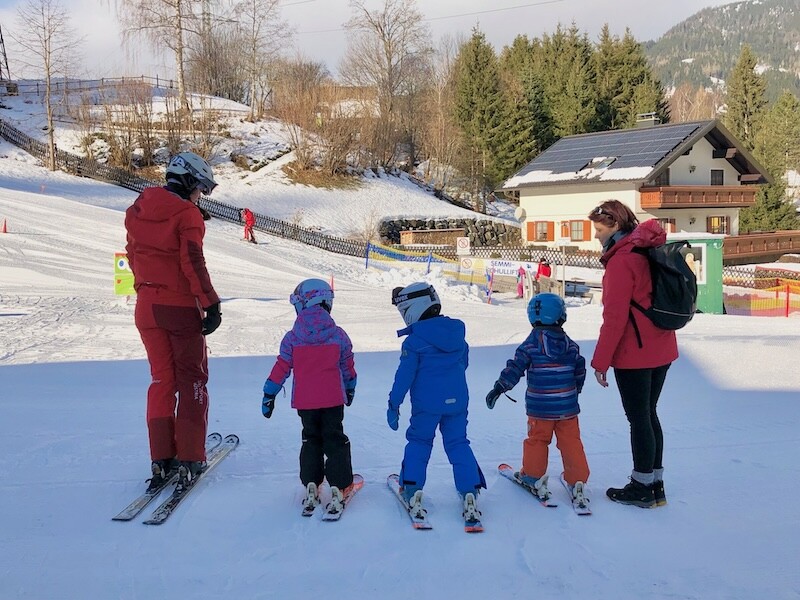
72,397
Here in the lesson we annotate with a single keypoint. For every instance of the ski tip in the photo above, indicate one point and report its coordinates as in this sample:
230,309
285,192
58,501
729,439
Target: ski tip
232,438
504,467
477,528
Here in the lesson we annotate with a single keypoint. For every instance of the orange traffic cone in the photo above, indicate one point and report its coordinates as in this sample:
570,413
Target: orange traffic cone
5,229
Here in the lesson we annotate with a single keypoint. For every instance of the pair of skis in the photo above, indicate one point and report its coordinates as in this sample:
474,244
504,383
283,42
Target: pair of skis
216,450
333,510
580,504
419,516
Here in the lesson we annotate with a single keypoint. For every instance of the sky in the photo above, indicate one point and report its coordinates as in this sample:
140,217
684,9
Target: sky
73,381
319,33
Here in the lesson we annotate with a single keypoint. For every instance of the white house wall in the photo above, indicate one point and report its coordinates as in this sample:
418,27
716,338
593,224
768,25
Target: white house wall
700,157
572,202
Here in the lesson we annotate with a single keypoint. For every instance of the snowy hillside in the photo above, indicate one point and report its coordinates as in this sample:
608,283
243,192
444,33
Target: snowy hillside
346,212
72,394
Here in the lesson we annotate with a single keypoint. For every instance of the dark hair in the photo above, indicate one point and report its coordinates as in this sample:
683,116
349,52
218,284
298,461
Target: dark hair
613,212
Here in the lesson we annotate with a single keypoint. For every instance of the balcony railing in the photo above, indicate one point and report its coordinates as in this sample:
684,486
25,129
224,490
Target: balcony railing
763,246
693,196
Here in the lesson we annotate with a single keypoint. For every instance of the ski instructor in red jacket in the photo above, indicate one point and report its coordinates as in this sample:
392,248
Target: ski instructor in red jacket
639,368
176,307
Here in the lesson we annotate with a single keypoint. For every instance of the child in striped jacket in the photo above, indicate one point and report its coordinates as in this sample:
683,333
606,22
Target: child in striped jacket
555,375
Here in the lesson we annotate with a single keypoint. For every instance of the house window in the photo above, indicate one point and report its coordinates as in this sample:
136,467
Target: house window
576,231
718,225
662,179
667,224
717,177
541,231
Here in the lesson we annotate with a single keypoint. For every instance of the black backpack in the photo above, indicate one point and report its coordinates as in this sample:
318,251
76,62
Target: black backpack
674,287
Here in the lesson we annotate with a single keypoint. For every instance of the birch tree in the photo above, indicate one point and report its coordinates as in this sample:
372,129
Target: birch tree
46,34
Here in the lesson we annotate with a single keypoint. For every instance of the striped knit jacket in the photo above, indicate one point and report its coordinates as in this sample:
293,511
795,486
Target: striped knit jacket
555,369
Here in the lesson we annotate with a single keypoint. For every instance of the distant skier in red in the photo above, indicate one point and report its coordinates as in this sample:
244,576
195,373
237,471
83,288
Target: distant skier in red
544,269
249,222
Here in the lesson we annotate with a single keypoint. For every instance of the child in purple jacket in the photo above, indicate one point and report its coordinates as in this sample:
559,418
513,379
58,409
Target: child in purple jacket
321,355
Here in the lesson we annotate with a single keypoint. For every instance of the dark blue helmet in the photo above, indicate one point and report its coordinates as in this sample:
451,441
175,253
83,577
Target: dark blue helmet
547,309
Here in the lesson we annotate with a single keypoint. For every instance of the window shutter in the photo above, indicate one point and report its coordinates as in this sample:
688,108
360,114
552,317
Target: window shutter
564,228
531,232
728,225
708,224
551,231
587,231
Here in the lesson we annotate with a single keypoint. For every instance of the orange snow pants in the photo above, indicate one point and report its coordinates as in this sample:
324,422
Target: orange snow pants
568,441
176,350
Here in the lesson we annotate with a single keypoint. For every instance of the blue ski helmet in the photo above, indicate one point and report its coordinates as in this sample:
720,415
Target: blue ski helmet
311,292
414,300
547,309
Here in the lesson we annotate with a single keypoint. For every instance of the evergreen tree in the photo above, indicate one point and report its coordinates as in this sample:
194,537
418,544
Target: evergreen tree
565,63
778,139
771,212
479,105
746,99
778,148
542,126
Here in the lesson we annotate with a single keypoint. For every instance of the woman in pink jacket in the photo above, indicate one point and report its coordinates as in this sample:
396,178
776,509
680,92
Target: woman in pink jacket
640,352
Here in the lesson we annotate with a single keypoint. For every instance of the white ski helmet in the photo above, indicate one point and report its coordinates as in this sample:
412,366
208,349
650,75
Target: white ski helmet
191,171
311,292
415,300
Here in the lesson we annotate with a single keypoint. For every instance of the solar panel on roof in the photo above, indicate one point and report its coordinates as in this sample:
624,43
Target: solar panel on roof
632,147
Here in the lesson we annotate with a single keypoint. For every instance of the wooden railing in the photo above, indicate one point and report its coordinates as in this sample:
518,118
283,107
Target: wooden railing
759,247
692,196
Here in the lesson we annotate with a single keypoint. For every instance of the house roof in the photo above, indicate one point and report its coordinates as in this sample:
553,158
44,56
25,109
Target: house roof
636,155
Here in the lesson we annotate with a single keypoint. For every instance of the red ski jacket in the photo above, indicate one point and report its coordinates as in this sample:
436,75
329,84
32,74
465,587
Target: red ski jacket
165,248
626,278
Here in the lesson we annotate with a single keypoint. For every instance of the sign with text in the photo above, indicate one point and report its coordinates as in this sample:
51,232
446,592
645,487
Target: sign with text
462,246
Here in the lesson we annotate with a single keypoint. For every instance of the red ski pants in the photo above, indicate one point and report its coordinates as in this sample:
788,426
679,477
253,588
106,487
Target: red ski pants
568,441
176,350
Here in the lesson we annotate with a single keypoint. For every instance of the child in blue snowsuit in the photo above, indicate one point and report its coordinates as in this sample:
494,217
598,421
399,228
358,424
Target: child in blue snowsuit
433,365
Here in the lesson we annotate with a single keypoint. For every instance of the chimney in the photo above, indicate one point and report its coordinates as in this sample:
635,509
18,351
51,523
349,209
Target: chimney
647,120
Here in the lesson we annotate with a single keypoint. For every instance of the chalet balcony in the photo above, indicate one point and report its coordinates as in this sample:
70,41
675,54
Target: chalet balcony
759,247
696,196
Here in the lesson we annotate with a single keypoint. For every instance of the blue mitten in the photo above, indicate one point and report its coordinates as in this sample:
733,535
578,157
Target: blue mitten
393,417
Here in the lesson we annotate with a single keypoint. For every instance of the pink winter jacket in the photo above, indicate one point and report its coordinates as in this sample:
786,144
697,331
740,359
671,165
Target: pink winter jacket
321,356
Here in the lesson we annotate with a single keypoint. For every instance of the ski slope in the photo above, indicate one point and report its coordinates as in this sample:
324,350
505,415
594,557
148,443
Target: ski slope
72,396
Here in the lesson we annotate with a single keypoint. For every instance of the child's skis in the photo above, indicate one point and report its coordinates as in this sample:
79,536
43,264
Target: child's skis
417,514
335,508
577,495
471,514
540,492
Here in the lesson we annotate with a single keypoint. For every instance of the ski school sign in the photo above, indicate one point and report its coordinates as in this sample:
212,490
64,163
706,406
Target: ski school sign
508,268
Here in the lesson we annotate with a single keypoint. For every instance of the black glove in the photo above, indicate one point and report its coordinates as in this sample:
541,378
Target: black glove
349,395
213,319
492,396
267,405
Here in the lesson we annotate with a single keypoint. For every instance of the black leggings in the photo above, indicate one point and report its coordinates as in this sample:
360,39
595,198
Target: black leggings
640,389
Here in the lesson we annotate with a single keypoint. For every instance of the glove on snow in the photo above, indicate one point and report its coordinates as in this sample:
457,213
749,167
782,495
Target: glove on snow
393,417
349,395
213,319
267,405
492,396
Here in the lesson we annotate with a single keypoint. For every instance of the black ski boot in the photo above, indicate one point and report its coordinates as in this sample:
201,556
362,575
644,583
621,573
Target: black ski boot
635,493
188,470
163,470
